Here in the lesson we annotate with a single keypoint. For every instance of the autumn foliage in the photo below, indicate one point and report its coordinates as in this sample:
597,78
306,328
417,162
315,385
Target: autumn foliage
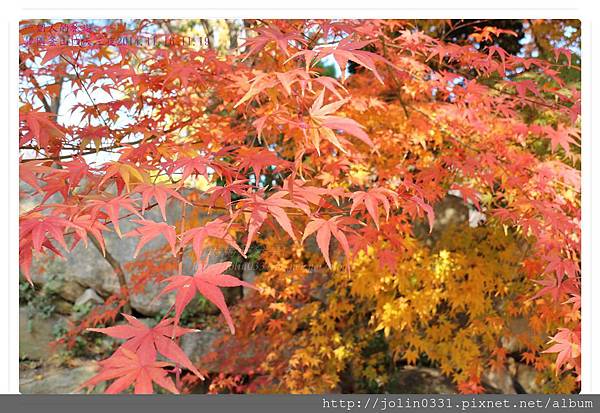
329,182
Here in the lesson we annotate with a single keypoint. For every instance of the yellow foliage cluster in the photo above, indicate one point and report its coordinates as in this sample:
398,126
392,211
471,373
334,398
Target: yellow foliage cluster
450,306
446,304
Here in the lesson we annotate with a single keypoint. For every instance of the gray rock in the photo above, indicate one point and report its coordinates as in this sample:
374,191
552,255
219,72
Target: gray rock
529,379
35,335
63,307
147,302
420,380
248,275
498,381
89,296
85,267
449,211
518,327
56,380
198,344
70,291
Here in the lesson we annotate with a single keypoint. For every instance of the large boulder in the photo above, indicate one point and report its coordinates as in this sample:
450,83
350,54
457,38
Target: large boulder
449,211
198,344
420,380
85,267
514,378
70,291
499,380
89,297
56,380
35,335
529,379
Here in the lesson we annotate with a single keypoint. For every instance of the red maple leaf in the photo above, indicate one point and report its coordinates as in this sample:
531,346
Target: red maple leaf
223,193
55,183
562,137
567,345
37,226
41,127
123,174
304,195
86,223
206,282
26,255
325,228
146,342
371,200
127,368
345,51
28,172
258,160
160,193
77,169
260,208
112,207
150,230
322,124
217,228
428,209
270,34
190,166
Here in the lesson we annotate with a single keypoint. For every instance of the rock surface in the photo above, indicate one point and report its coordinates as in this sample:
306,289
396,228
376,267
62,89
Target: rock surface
56,380
89,296
498,381
35,334
420,380
198,344
451,210
527,377
70,291
86,268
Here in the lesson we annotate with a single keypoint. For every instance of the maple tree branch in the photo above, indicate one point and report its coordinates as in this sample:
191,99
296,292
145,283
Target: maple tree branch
462,26
556,106
85,89
108,149
118,270
181,231
101,116
37,86
444,130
